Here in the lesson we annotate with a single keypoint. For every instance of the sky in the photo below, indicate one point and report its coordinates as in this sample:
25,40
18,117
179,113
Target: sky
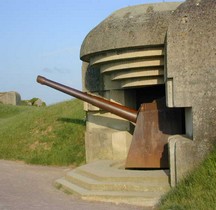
43,37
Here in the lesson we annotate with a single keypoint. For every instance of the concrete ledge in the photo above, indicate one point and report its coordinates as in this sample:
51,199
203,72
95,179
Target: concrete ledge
106,144
182,156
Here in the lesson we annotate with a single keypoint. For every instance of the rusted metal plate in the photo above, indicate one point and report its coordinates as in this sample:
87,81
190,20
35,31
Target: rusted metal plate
155,123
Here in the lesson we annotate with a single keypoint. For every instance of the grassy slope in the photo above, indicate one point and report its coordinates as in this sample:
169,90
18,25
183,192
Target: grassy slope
54,135
51,135
197,191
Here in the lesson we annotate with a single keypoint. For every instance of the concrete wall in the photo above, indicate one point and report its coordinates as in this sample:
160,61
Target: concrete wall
119,61
191,76
12,98
167,43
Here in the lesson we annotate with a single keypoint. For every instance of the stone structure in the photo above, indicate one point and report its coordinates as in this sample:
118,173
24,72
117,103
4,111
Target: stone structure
124,62
145,51
190,81
138,55
12,98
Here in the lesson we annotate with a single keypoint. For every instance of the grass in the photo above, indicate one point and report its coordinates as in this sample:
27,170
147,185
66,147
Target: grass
52,135
196,191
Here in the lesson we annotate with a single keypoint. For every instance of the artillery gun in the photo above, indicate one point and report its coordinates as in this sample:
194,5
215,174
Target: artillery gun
154,124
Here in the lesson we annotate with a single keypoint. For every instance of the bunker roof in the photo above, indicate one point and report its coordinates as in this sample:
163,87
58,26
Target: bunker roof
133,26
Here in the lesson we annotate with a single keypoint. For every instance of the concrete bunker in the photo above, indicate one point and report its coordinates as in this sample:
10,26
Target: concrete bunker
147,52
160,59
124,61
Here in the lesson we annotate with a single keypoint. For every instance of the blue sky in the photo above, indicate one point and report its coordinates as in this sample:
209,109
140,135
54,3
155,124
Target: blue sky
43,37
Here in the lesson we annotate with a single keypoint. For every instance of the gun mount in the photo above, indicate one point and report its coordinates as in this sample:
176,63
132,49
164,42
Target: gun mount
154,123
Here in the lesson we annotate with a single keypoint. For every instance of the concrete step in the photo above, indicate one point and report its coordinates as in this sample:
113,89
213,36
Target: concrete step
133,198
93,184
104,170
105,181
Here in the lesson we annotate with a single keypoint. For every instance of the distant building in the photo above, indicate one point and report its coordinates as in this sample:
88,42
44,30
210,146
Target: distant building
11,97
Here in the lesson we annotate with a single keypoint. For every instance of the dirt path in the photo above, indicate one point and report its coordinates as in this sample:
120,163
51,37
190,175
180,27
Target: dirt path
27,187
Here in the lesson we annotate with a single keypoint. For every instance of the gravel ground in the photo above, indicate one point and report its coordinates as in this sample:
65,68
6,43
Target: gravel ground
28,187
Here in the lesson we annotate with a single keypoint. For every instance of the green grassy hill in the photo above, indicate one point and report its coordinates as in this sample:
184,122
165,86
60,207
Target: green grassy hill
52,135
197,191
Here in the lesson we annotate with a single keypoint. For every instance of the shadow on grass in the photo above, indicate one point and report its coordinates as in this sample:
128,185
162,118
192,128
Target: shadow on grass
71,120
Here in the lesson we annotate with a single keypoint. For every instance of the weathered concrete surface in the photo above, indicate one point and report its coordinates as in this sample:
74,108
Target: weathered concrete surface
187,32
105,143
123,53
108,181
181,157
26,187
129,27
11,97
191,73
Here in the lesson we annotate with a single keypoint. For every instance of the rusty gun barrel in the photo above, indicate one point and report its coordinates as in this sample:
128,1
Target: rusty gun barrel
122,111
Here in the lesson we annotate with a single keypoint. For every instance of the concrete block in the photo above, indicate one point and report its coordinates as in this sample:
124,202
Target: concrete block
191,76
98,145
101,120
108,144
109,84
121,141
12,98
182,156
90,107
